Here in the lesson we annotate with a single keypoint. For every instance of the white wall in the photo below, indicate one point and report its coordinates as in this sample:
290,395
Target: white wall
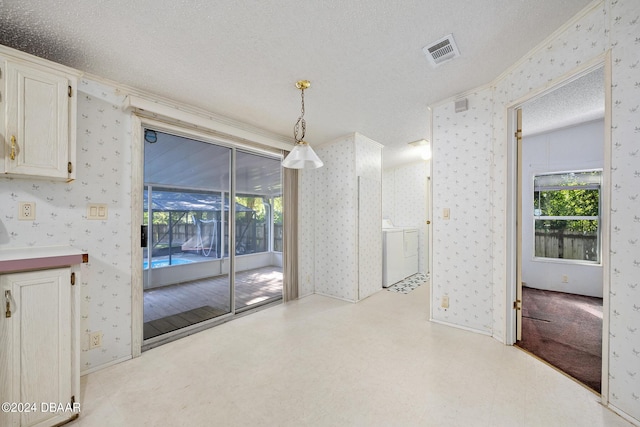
345,260
404,202
611,24
462,245
369,174
578,147
336,215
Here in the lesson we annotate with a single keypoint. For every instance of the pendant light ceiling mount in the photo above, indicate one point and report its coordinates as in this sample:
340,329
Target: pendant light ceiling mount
303,84
302,156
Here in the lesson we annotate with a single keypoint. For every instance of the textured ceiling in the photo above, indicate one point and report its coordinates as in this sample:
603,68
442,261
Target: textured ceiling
578,101
240,59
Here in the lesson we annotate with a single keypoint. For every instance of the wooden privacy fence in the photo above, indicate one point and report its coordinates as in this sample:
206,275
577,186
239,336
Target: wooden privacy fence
566,245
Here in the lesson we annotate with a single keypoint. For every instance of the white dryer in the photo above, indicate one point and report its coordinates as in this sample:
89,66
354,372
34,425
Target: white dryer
392,256
410,240
399,253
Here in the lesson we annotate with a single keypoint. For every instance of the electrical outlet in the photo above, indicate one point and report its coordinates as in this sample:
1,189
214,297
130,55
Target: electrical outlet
95,340
27,211
445,301
565,278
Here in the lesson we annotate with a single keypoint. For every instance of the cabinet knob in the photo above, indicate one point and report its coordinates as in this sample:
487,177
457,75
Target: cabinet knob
13,147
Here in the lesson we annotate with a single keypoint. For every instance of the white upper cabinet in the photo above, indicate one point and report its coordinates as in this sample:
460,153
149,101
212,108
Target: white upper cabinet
38,130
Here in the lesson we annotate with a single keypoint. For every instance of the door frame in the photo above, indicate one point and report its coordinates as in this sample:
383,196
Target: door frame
139,123
512,255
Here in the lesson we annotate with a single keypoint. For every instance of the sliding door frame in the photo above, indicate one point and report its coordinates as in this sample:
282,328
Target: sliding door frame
140,123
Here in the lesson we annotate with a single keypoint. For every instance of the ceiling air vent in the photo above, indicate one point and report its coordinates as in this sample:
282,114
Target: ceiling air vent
441,51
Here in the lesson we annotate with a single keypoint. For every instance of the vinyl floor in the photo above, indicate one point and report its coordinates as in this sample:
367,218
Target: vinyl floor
320,361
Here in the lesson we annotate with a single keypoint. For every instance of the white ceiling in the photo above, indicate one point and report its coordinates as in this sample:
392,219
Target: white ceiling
575,102
172,160
240,58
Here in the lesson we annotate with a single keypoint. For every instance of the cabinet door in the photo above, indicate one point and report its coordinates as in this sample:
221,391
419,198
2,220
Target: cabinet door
37,131
36,358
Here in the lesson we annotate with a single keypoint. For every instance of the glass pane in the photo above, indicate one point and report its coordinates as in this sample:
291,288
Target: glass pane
567,239
258,272
277,223
186,267
566,203
253,215
568,179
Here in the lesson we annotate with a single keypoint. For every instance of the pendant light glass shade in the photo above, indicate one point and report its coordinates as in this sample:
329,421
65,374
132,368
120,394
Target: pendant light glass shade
302,157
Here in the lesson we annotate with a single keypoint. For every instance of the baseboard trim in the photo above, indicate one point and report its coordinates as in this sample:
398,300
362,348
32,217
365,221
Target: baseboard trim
335,297
104,365
621,413
464,328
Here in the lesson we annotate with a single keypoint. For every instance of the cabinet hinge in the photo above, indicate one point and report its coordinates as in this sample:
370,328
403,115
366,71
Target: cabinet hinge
73,279
69,167
517,305
70,91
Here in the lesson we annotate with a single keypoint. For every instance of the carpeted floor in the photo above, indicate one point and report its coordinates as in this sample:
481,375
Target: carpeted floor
566,331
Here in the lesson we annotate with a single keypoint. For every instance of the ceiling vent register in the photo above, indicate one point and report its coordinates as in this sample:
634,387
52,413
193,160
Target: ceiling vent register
441,51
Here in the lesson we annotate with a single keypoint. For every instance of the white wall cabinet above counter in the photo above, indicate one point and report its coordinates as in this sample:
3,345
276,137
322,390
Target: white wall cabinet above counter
37,117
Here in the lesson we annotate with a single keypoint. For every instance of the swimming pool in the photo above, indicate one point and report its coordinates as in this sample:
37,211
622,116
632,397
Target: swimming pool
165,262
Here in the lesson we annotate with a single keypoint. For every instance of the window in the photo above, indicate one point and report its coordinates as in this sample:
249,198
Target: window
567,216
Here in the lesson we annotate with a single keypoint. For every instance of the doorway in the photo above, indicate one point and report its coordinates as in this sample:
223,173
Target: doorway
213,225
559,284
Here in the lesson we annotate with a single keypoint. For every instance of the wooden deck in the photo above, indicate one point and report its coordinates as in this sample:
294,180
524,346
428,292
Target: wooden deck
173,307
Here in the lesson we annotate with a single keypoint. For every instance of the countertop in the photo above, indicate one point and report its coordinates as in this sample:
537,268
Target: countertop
37,258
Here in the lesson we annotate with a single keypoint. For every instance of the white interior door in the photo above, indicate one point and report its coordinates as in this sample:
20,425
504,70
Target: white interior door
518,302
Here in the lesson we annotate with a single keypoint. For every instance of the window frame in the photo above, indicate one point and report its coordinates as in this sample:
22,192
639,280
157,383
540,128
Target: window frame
598,218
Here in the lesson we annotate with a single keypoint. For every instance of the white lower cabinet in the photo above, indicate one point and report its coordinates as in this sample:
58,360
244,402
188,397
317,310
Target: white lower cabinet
38,378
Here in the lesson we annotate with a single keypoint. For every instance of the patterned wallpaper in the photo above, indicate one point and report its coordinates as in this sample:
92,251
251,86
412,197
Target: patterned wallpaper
612,24
624,371
331,227
306,232
461,183
103,176
368,157
404,202
336,215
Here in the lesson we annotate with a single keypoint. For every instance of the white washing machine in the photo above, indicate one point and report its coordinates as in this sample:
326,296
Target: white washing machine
410,251
399,253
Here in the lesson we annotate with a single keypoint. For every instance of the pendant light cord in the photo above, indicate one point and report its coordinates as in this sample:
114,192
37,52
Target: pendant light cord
301,125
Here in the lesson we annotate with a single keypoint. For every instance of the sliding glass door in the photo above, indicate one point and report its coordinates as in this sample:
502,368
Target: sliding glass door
195,194
186,210
258,225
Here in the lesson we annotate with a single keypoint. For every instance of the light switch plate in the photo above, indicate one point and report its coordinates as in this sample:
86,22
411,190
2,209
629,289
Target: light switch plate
445,301
98,211
446,213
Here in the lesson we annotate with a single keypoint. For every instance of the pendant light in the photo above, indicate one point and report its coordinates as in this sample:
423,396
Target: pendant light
302,156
